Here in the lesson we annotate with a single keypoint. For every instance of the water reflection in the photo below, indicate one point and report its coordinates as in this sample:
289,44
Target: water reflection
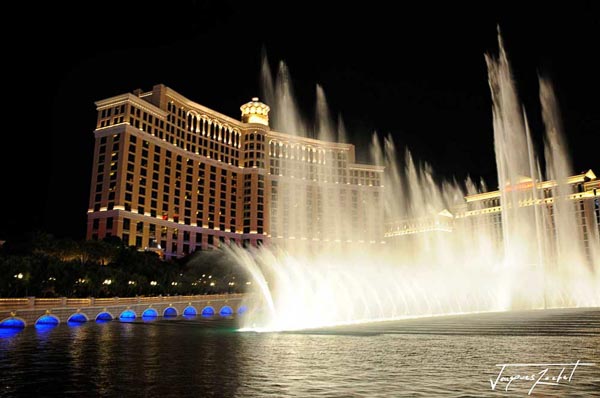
45,327
203,357
9,332
127,316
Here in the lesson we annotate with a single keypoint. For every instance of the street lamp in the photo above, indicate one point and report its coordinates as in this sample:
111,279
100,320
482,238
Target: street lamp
19,277
107,282
153,283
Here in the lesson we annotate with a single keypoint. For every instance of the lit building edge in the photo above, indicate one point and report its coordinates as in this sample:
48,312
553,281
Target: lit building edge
174,176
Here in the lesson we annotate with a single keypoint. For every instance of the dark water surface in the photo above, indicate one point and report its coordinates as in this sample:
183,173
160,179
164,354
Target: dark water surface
453,356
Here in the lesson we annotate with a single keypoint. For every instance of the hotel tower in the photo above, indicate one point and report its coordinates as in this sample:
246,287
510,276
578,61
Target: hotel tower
173,176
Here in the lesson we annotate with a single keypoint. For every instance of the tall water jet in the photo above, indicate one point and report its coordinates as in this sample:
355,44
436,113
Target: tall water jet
315,177
266,80
279,94
324,129
449,247
558,168
514,162
342,134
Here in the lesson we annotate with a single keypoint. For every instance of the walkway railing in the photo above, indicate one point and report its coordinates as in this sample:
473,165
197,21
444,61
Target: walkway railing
36,302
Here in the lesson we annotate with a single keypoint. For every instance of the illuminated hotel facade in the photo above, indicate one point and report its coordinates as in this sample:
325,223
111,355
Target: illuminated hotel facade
485,210
174,176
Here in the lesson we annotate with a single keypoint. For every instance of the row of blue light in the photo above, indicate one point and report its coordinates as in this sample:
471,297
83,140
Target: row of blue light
13,325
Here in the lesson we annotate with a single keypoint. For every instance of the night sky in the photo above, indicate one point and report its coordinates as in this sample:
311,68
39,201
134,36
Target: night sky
417,73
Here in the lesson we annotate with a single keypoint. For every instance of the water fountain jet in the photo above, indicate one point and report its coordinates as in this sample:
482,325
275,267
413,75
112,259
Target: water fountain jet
445,261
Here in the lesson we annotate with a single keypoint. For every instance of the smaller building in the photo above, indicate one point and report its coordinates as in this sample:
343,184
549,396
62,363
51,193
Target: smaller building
484,212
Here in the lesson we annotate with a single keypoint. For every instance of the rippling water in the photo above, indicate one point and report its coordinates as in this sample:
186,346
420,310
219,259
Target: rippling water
454,356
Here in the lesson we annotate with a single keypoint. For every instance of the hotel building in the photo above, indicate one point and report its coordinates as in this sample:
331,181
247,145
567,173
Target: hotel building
174,176
485,210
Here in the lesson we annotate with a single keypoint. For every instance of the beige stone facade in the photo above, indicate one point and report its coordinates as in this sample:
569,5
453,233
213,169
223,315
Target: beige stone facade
483,212
174,176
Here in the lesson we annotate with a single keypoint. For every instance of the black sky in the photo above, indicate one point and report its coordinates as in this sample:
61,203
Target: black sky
416,72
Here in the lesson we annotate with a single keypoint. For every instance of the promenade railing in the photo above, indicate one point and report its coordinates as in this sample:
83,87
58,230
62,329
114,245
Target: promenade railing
37,302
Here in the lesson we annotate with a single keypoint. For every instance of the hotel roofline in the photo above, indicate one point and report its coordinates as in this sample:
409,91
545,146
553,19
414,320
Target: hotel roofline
140,101
527,183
